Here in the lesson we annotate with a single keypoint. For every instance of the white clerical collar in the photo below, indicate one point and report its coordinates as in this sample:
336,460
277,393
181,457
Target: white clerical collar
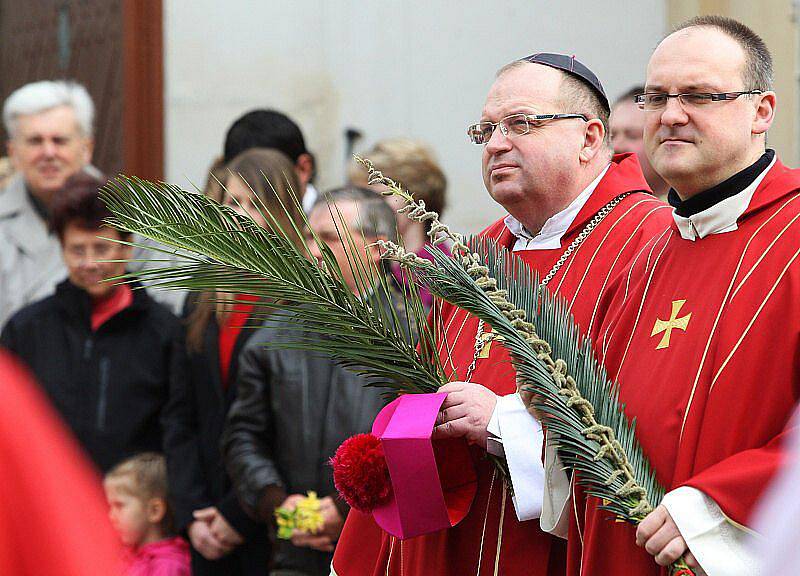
722,216
549,237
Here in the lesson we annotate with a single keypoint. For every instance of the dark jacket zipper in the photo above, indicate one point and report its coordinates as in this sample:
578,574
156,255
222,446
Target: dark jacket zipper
102,402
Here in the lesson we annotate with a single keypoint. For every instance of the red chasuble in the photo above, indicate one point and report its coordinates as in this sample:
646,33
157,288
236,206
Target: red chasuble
703,340
53,514
490,540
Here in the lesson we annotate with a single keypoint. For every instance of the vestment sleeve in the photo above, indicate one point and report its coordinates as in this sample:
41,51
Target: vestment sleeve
245,441
737,483
713,508
521,437
53,514
557,495
721,547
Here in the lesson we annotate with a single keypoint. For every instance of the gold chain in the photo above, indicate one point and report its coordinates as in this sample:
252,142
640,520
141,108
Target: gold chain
483,338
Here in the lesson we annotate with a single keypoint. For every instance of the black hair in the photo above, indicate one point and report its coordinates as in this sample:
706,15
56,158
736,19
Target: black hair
264,129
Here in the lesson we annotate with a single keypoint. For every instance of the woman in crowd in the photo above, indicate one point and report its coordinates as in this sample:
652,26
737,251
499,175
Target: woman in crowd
224,539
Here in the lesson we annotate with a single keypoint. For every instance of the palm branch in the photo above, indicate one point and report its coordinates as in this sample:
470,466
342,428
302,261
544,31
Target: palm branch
226,252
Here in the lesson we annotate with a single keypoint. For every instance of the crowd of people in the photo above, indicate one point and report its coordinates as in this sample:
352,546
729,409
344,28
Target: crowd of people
202,433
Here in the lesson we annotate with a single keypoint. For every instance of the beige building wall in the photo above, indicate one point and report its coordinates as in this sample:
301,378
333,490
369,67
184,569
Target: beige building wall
776,21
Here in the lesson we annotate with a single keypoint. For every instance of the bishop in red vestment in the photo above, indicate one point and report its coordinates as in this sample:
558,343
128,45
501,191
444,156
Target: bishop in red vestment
491,539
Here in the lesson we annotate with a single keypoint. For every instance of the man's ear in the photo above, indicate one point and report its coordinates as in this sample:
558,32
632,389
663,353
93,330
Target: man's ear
11,151
156,510
304,168
765,112
593,140
88,151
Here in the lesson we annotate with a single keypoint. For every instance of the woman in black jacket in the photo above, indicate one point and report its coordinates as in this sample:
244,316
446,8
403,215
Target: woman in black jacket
225,540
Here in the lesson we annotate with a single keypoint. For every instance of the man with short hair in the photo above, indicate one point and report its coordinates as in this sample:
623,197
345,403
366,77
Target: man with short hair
577,216
101,351
701,334
50,127
627,135
273,129
295,407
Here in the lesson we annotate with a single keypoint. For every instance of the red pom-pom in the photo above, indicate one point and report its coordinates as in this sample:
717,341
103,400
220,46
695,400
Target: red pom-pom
360,473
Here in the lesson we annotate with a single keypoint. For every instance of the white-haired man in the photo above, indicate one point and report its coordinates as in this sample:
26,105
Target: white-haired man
49,127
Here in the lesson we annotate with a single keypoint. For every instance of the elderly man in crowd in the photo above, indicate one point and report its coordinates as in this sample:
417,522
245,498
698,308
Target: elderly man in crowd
50,128
702,335
295,407
577,216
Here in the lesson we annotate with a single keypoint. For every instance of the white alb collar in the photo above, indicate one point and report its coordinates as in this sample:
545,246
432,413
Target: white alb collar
549,237
722,216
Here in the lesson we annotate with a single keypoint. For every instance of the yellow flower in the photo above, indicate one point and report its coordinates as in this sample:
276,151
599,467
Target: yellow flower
306,517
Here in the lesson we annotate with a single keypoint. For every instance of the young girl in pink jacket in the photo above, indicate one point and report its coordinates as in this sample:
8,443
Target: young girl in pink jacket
136,491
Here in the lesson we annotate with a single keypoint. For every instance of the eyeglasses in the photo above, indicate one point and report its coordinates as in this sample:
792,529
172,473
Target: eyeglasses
658,100
514,125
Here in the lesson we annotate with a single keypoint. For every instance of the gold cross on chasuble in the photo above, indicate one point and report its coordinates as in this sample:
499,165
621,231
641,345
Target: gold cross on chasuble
666,326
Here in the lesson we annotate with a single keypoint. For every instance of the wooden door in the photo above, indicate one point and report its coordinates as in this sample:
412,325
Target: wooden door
115,49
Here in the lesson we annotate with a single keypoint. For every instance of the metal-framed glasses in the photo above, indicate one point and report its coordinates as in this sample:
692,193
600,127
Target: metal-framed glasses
658,100
514,125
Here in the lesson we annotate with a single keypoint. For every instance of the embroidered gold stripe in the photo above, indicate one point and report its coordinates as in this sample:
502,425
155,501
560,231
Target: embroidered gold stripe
616,259
594,255
753,319
764,254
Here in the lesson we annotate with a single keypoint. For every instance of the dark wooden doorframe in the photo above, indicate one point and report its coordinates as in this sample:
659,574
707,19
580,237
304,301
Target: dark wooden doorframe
143,88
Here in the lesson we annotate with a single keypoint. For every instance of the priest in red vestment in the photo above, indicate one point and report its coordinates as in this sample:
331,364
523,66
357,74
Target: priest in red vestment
702,334
550,166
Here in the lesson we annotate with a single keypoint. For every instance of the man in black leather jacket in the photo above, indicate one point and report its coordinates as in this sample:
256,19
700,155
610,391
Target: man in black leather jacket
294,407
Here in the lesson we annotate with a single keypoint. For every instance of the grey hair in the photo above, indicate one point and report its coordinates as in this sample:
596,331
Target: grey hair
375,217
38,97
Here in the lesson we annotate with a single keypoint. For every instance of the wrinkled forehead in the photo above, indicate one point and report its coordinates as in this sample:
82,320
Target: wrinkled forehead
527,88
696,59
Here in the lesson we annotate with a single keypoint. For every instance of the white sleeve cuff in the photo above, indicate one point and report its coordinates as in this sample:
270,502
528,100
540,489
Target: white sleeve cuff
522,438
494,443
557,495
721,547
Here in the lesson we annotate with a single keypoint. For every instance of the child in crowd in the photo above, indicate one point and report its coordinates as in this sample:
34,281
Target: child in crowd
136,490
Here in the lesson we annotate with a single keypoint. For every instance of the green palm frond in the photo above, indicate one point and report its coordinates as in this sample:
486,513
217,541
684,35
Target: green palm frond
579,448
556,326
226,252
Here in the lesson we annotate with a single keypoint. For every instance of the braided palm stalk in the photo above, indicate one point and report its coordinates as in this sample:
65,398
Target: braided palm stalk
544,382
